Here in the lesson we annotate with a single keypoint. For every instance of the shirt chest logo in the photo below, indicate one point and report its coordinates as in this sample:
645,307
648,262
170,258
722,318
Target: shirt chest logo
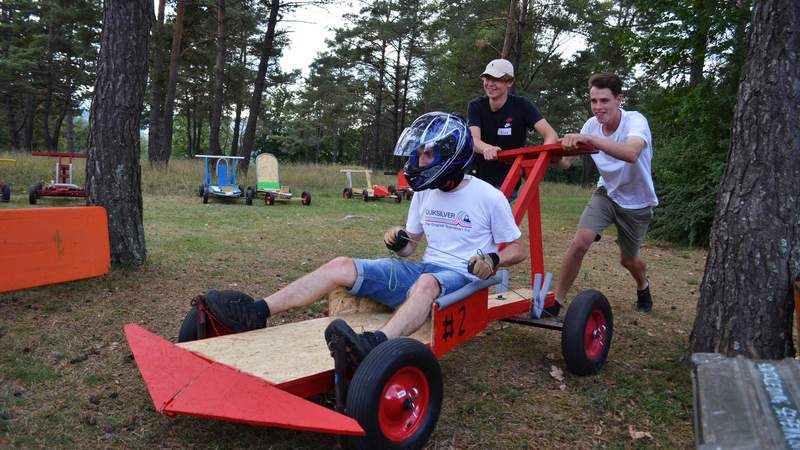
506,130
447,218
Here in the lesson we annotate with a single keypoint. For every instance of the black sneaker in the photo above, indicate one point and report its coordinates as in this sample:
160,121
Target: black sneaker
644,302
551,312
358,344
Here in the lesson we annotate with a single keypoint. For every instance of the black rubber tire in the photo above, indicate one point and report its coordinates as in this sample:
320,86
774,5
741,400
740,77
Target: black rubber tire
398,197
573,348
365,195
249,195
391,189
369,380
205,196
306,198
188,331
409,195
32,193
347,193
6,193
200,190
269,199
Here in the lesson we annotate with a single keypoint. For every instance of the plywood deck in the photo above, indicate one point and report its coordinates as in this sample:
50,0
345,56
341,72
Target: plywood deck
291,351
287,352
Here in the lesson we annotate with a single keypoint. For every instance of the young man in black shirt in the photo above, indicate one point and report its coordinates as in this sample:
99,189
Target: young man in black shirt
501,121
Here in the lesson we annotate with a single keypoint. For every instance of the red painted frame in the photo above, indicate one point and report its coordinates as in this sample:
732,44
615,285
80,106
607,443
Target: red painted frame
61,191
178,380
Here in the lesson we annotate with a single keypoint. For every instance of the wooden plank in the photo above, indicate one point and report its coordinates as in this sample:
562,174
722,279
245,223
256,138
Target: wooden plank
287,352
40,246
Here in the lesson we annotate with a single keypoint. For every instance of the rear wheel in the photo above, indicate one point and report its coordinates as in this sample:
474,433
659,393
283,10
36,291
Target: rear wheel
391,189
205,196
365,195
200,190
409,195
347,193
398,197
306,198
248,197
587,333
396,395
269,199
6,193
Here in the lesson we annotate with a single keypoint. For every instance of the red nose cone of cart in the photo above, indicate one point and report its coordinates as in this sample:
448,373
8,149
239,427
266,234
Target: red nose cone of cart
181,382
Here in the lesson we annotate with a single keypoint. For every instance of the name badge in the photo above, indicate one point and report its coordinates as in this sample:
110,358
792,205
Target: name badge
504,131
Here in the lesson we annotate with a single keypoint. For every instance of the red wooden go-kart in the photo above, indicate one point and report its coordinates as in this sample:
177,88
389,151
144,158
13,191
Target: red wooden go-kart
62,186
393,398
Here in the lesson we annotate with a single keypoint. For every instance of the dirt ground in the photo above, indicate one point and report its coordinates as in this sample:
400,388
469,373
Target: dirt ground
68,379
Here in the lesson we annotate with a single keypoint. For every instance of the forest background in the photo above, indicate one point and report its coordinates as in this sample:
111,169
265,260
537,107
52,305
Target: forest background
215,84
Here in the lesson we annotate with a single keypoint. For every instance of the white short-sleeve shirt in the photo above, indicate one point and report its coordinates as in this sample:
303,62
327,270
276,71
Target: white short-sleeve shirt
630,185
459,223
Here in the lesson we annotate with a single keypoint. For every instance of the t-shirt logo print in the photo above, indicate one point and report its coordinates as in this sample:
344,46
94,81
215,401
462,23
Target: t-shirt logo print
447,218
508,122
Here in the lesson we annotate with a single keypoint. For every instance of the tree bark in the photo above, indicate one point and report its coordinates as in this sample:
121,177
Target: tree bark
219,79
155,130
113,173
258,87
172,83
746,303
11,120
508,39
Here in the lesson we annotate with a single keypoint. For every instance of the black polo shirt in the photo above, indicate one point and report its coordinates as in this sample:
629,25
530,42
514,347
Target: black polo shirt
506,128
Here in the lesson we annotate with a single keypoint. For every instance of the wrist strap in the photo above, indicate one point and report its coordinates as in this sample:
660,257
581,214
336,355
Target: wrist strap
495,259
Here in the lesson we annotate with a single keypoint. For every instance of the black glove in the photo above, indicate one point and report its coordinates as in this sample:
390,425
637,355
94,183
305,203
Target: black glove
396,239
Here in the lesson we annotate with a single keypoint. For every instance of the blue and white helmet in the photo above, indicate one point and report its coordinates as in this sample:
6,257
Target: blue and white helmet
449,137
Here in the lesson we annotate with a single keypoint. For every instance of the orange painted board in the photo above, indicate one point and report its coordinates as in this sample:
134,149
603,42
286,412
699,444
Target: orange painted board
40,246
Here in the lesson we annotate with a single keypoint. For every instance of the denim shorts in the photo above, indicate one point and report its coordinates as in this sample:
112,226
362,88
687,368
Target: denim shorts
388,280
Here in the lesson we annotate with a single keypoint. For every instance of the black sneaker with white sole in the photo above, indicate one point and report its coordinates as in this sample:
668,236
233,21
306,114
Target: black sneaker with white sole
644,302
358,344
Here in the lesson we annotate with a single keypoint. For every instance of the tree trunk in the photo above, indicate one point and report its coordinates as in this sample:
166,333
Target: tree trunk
189,147
155,130
699,40
11,120
69,132
521,24
508,39
27,124
258,87
113,178
169,100
237,121
746,303
376,149
219,79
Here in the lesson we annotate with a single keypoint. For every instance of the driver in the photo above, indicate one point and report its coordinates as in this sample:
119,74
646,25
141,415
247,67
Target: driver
463,219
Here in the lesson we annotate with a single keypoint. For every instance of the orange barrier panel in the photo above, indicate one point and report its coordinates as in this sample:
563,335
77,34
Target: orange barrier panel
52,245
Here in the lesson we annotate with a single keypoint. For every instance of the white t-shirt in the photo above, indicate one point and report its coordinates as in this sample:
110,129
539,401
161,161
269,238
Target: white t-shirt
459,223
630,185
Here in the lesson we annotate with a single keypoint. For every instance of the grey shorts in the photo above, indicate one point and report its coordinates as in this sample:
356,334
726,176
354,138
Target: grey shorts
631,223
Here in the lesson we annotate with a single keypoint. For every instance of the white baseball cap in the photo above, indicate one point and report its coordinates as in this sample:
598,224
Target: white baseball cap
499,68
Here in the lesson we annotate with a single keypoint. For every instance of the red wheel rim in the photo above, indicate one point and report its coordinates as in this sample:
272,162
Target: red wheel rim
403,404
595,334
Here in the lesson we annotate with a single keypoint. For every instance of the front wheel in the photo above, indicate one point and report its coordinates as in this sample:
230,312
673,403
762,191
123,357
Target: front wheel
396,395
205,196
306,198
269,199
365,195
347,193
6,193
587,333
33,193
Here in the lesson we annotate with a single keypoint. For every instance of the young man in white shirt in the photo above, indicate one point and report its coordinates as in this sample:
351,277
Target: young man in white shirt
464,220
625,194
